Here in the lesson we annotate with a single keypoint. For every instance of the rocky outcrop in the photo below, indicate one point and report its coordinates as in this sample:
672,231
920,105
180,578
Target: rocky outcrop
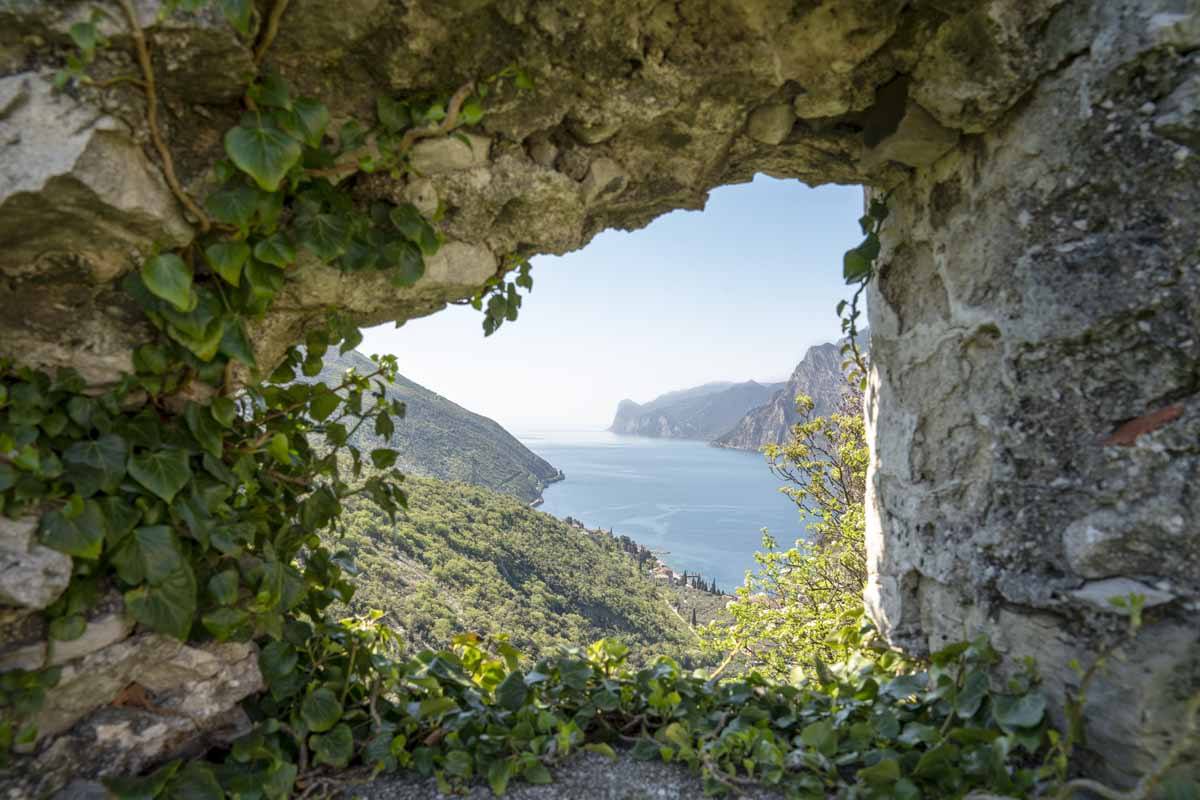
1033,406
1037,290
701,413
818,375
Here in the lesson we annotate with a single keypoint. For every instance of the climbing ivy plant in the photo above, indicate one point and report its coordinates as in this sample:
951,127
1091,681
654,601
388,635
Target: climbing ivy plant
858,268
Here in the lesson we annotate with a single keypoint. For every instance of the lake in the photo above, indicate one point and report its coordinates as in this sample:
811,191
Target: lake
705,506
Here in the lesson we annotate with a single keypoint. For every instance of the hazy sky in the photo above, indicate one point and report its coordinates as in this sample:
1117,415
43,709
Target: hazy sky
737,291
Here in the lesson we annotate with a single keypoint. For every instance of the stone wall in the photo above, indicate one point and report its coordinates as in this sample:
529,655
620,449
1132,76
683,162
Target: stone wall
1039,288
1042,290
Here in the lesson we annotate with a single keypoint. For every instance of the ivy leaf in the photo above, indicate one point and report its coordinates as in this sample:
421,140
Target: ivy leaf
1022,711
67,629
226,623
855,266
305,122
75,531
276,250
146,787
235,344
271,91
334,748
204,428
263,152
195,781
321,709
224,411
416,228
886,771
163,472
234,205
394,116
168,278
512,692
383,458
406,262
471,112
237,12
324,404
324,235
499,774
279,450
226,259
85,37
150,554
167,607
101,463
224,587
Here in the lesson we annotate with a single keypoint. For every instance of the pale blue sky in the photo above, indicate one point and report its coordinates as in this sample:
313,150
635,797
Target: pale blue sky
736,292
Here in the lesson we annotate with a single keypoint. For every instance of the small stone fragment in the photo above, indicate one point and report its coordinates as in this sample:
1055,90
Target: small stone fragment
918,141
450,154
31,576
605,177
771,124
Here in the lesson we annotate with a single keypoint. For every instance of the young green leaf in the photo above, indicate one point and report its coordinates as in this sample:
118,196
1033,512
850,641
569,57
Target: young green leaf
168,278
263,152
81,534
163,472
227,258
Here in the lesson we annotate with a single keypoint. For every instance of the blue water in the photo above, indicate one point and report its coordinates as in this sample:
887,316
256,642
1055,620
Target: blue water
704,506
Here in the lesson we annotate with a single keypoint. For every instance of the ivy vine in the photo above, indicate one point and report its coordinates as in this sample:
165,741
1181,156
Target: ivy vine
858,269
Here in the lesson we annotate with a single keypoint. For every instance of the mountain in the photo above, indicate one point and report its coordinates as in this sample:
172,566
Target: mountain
703,412
818,375
464,559
443,440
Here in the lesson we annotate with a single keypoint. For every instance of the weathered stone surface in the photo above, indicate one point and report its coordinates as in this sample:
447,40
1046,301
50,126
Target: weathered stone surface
78,201
31,576
1039,290
134,704
1102,594
771,124
1179,114
918,140
432,156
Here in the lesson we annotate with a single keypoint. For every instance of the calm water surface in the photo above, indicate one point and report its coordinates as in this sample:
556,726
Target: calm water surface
706,507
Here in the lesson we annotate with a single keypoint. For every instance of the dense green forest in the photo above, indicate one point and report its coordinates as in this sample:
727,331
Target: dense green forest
467,559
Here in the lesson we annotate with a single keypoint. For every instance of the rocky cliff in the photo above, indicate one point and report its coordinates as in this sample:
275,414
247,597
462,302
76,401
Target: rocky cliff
702,412
443,440
818,375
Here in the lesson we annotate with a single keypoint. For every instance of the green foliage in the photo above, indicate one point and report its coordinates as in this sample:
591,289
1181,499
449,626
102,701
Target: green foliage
786,614
858,268
465,560
159,505
341,694
499,299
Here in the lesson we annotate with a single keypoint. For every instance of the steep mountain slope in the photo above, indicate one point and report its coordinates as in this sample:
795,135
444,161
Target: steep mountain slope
702,412
818,375
465,559
443,440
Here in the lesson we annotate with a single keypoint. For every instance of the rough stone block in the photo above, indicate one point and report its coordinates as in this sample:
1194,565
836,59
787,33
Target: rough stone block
450,154
771,124
31,576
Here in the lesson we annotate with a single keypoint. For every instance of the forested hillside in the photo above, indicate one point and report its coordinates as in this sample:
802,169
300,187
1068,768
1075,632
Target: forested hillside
466,559
443,440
